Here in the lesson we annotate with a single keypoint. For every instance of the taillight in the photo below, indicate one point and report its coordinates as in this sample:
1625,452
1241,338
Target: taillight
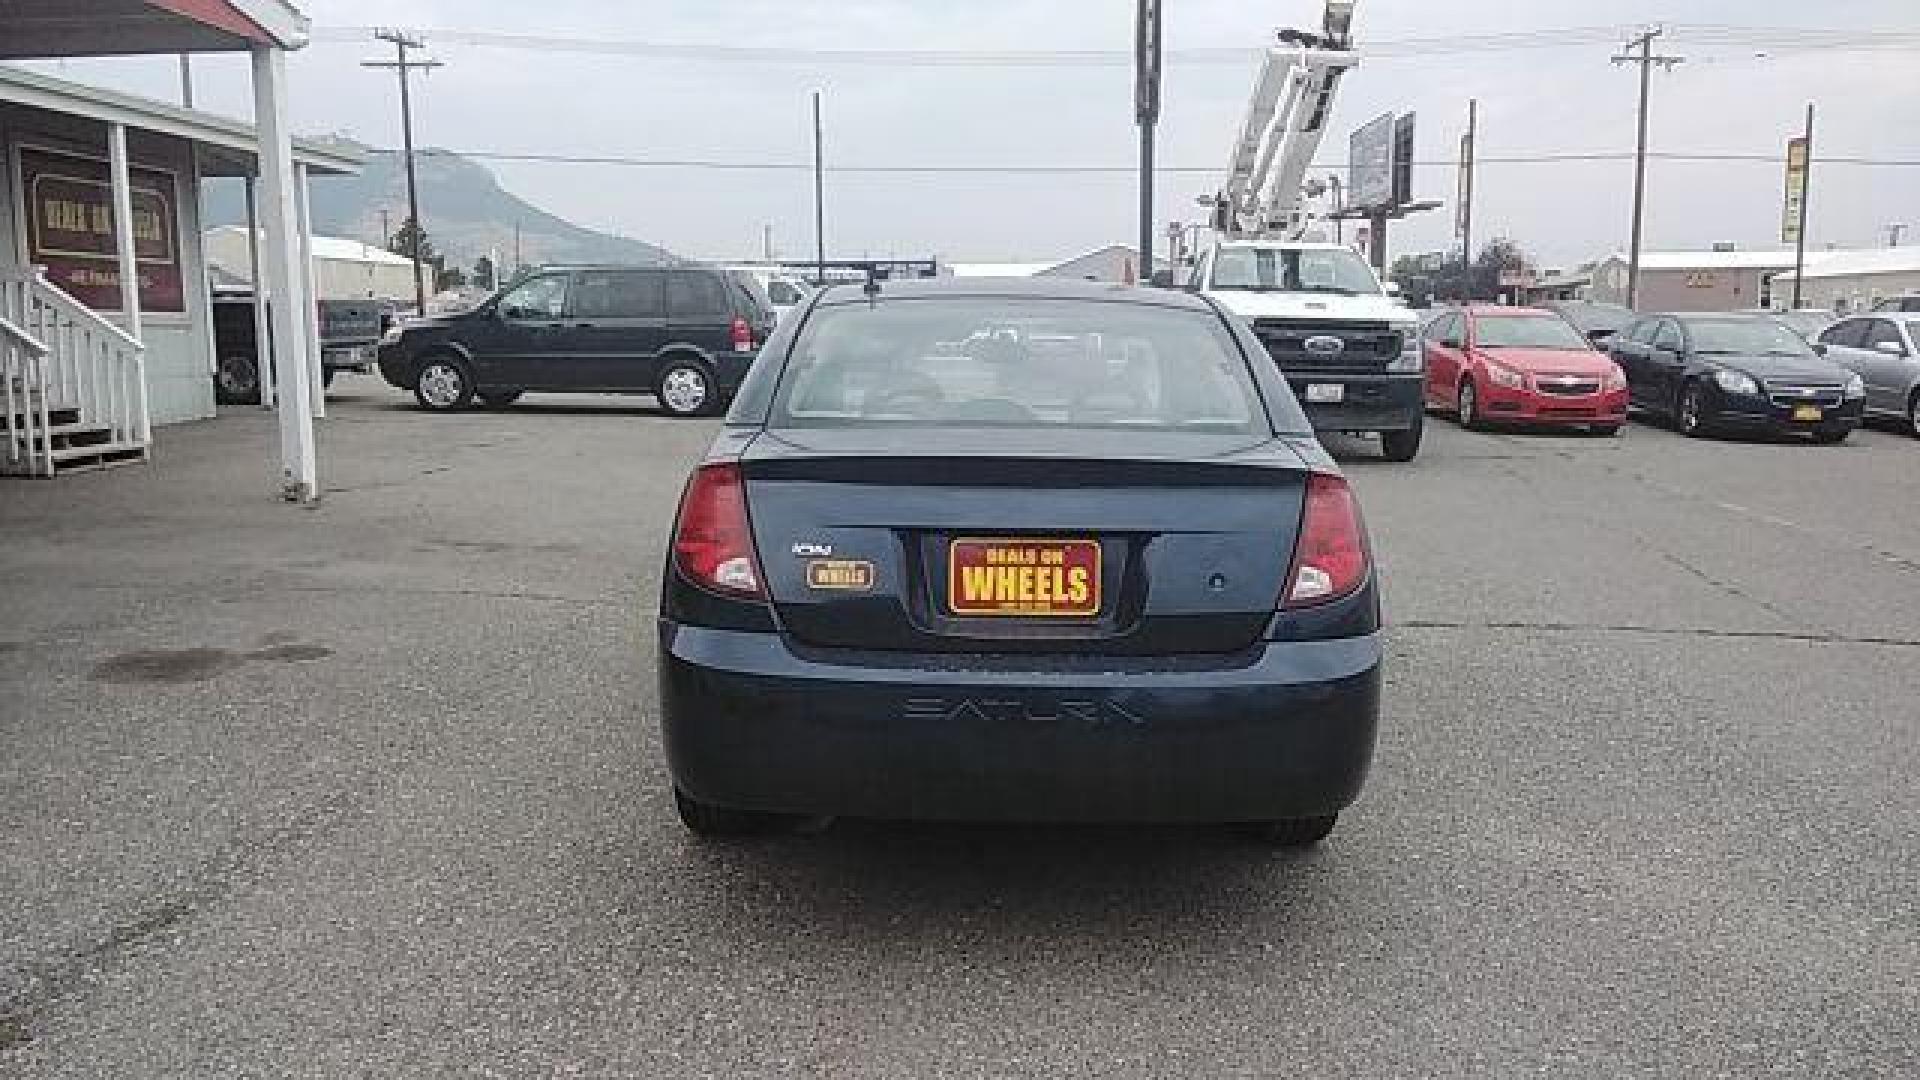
713,543
1330,558
742,335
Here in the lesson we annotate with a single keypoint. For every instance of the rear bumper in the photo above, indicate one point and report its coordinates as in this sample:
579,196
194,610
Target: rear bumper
1368,402
730,370
1285,730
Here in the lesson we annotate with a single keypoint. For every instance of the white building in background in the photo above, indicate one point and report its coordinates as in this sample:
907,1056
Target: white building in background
1115,262
1847,281
343,269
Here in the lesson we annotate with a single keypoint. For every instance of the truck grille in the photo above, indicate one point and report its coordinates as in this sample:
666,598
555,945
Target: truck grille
1825,395
1364,346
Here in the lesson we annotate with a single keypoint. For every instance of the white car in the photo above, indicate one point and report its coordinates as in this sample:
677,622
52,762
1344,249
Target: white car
783,291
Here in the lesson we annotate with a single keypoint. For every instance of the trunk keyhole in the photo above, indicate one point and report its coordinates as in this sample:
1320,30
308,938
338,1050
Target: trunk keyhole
1217,582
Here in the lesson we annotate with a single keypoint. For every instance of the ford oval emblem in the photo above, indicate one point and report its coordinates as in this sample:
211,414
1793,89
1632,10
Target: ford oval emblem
1325,344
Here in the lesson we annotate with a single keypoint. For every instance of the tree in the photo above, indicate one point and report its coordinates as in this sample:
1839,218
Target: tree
1449,282
450,278
483,275
409,236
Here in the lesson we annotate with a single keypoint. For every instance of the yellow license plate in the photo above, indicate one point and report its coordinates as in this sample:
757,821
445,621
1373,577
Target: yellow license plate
1021,577
1806,412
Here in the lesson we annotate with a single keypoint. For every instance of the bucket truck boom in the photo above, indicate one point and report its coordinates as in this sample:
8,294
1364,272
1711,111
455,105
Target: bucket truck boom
1350,352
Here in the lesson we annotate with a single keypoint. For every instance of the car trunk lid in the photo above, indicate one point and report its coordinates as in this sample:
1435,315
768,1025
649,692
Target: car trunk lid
1181,539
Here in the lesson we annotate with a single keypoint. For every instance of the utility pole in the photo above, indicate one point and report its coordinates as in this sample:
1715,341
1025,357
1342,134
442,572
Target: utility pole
186,81
819,201
1467,151
1800,232
1646,60
766,242
402,66
386,228
516,248
1146,113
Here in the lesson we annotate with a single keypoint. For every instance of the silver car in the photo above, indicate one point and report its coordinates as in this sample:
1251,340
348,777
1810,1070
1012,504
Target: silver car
1884,348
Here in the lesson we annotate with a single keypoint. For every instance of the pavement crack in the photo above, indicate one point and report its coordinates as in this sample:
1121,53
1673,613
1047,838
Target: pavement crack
483,594
1662,631
45,983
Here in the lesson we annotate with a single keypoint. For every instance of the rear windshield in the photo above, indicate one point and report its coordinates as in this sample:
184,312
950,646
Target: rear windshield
1016,363
1526,332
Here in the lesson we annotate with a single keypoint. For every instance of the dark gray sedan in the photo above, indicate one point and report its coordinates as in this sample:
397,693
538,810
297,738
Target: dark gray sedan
1883,348
1018,550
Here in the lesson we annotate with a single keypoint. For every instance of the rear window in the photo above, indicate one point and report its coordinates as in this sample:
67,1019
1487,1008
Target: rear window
696,293
1016,363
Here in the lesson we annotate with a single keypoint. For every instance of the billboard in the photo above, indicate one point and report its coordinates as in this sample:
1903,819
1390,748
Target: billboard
1796,191
1403,159
1370,164
69,217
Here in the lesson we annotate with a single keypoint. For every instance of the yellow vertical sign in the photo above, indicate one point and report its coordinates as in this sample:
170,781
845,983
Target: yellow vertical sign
1796,190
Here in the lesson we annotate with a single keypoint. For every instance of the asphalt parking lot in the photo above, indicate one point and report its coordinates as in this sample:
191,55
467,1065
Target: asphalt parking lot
375,788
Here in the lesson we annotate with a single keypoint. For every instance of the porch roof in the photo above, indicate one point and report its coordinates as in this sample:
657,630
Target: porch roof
228,145
57,28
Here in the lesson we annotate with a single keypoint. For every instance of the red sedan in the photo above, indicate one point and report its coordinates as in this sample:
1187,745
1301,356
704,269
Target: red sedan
1520,366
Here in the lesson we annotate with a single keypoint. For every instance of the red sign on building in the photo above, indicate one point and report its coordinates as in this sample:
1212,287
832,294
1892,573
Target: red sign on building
70,231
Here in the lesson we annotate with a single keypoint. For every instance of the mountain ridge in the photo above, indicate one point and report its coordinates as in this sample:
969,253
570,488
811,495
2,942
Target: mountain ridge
467,213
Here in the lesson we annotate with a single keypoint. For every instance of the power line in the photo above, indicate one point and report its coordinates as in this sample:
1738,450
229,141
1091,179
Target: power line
1056,169
1780,39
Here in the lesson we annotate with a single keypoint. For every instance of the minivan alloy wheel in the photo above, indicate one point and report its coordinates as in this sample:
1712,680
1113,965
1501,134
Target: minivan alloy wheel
684,390
441,385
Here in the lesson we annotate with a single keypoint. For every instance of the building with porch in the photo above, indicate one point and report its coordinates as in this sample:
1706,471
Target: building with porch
105,323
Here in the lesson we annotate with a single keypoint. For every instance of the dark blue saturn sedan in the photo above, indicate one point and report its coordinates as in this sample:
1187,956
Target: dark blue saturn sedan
1032,550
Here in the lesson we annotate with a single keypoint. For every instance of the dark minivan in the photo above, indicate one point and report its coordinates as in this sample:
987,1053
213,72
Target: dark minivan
684,332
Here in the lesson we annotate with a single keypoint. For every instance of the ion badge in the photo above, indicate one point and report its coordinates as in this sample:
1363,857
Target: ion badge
852,574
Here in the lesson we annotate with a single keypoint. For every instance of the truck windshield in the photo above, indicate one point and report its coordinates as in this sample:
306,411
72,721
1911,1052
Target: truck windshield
1331,270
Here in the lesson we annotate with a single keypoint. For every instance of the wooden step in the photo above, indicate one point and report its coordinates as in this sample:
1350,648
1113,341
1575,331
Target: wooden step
55,417
97,456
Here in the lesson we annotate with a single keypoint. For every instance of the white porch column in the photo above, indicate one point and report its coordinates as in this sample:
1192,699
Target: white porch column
262,333
129,270
310,306
299,476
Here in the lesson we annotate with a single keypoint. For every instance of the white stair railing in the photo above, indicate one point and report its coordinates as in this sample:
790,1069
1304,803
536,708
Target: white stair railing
87,364
23,360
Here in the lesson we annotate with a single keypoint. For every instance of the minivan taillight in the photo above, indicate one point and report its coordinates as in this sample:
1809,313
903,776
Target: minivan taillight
1330,558
713,542
742,335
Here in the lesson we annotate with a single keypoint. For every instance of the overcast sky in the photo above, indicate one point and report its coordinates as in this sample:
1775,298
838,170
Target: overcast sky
1567,97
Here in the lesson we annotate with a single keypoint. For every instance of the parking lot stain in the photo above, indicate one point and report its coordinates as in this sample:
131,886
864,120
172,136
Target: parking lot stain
173,666
164,666
291,653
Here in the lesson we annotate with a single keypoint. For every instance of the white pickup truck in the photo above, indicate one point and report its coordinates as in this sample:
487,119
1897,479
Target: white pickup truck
1349,349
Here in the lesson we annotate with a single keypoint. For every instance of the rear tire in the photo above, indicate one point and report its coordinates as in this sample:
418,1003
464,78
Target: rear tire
1913,414
1291,832
1403,445
236,380
686,389
1831,436
1604,431
499,399
706,819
